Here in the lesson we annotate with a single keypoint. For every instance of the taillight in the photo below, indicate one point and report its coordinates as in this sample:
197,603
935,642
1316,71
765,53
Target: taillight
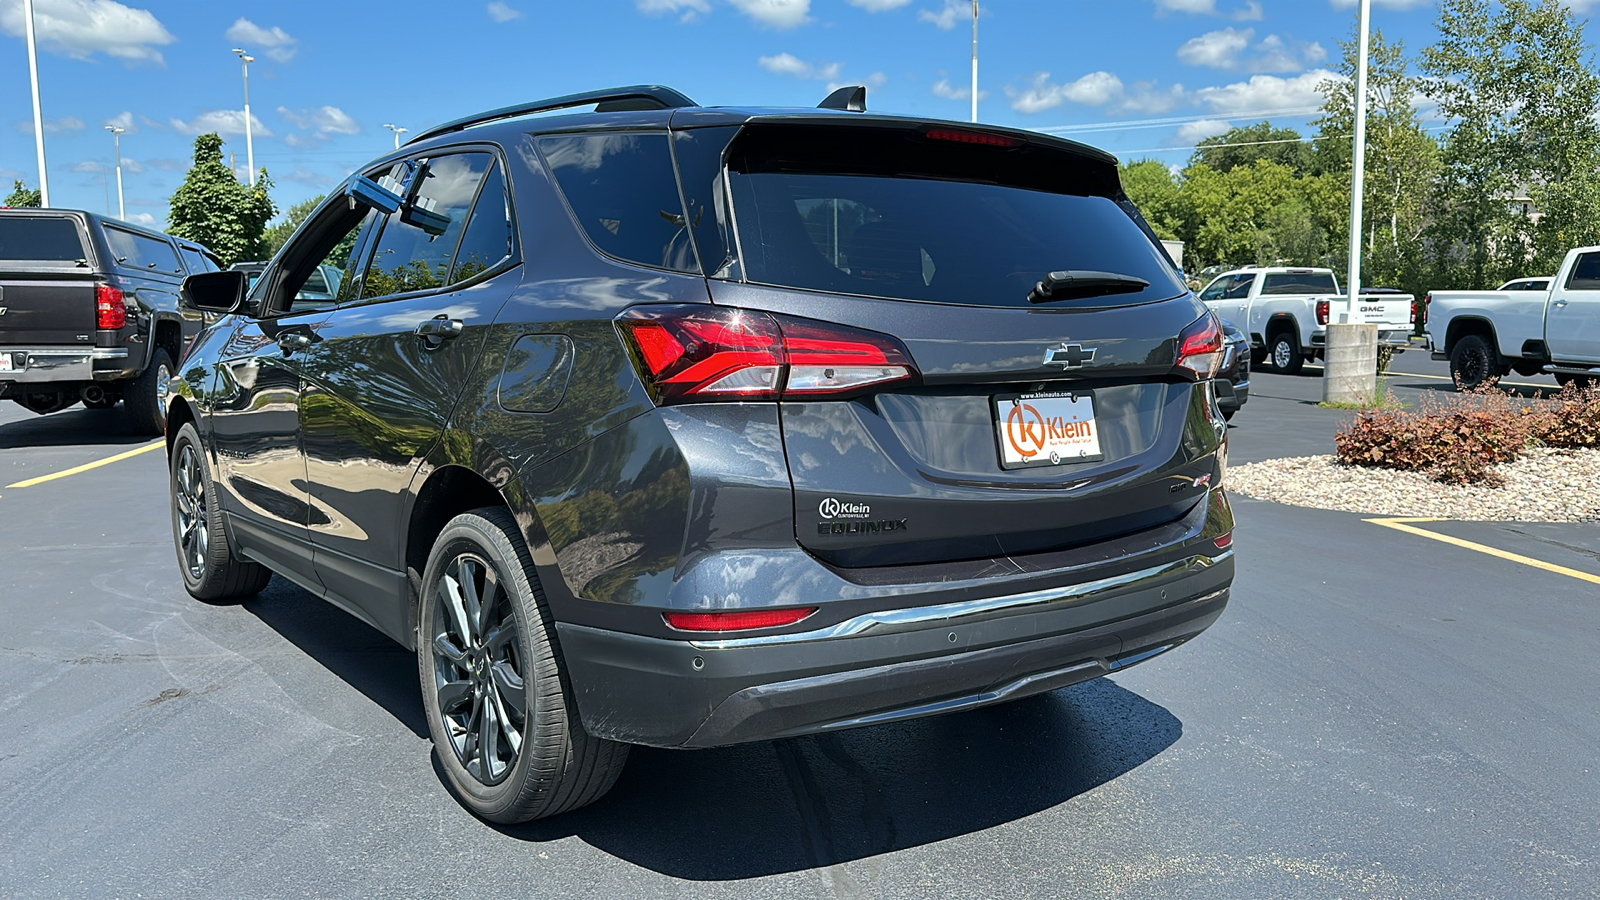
1322,312
1224,542
109,312
736,620
688,354
1200,347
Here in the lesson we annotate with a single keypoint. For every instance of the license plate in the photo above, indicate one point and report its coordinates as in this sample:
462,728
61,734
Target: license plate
5,362
1046,429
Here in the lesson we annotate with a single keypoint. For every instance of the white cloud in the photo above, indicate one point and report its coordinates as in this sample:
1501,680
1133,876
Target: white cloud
1093,89
943,88
1266,93
1195,132
878,6
1187,6
322,119
788,64
502,13
946,19
875,80
776,13
1230,48
1145,97
144,219
53,126
274,41
88,166
222,121
688,8
1250,13
1408,4
82,28
123,120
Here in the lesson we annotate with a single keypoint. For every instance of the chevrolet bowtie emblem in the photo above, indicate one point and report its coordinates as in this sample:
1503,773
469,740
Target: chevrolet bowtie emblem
1069,356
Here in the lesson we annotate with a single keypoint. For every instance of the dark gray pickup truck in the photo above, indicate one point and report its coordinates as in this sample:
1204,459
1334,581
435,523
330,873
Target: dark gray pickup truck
89,312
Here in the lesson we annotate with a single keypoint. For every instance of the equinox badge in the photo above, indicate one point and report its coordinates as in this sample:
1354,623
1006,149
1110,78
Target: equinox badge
1069,356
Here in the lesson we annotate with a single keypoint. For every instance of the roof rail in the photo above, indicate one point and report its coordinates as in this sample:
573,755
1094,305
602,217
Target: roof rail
638,96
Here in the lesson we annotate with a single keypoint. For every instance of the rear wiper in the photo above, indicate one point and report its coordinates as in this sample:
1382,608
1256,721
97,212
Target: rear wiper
1083,283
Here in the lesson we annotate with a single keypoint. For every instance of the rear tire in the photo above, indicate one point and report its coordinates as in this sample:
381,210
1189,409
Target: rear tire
1474,364
212,572
494,685
146,396
1284,349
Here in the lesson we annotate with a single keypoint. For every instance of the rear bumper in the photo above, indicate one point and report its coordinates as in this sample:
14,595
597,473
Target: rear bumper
1388,336
49,365
890,665
1230,395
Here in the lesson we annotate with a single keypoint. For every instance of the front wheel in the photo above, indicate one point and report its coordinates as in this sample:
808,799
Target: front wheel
1285,351
502,718
211,570
1474,364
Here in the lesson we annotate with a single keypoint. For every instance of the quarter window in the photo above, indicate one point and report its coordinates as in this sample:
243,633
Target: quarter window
418,240
487,239
622,190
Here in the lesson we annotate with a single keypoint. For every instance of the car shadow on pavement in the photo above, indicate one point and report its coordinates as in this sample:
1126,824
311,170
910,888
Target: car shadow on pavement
366,659
71,427
805,803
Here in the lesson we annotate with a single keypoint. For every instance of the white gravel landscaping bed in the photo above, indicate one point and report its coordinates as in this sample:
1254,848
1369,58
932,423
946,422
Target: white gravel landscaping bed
1544,486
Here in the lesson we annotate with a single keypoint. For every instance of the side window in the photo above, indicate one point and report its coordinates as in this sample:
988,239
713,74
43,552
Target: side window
1240,289
313,272
1215,289
136,251
1585,273
193,259
622,189
418,240
487,239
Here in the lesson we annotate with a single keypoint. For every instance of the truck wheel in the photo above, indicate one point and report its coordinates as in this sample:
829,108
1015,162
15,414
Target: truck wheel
1285,350
211,570
146,396
1474,364
501,714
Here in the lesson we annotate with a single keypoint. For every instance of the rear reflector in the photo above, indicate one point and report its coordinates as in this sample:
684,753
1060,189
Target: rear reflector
963,136
695,354
1224,542
740,620
109,313
1200,347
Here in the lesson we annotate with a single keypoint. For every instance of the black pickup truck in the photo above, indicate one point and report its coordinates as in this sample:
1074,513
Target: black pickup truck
89,312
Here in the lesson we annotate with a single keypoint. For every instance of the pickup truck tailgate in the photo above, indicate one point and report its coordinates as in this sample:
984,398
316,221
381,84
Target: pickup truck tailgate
1388,310
46,307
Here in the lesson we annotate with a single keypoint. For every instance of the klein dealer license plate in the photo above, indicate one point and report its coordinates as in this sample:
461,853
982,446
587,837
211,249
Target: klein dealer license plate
1046,429
5,362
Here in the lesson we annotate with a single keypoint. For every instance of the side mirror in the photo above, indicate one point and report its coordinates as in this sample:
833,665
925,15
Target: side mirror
369,193
214,292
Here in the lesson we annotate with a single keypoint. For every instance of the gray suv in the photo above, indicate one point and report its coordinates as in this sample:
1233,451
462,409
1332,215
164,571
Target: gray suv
649,423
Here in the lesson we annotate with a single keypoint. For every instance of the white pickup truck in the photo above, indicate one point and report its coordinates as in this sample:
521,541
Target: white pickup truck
1285,312
1489,334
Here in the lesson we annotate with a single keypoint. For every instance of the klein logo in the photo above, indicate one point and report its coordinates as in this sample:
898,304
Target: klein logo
843,509
1029,432
1069,356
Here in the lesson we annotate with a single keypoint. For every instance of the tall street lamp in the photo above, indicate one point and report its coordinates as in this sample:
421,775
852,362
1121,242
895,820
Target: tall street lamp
397,132
1351,373
249,147
38,117
974,60
116,143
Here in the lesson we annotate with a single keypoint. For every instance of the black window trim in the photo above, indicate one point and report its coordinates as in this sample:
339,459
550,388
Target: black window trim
367,242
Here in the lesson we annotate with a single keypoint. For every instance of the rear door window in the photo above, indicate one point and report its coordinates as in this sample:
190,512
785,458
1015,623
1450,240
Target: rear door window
894,214
141,252
623,191
193,259
414,251
40,239
487,239
1286,283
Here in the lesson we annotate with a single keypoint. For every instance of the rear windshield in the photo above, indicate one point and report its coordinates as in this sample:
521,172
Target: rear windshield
1300,283
40,239
897,215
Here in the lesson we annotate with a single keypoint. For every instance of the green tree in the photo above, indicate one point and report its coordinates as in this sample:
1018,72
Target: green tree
22,198
1257,213
1402,161
277,235
1514,78
212,208
1151,187
1244,145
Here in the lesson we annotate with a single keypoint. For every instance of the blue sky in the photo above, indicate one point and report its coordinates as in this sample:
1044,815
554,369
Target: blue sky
1137,77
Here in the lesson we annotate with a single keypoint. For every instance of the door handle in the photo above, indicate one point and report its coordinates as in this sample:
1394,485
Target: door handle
290,341
439,329
1558,303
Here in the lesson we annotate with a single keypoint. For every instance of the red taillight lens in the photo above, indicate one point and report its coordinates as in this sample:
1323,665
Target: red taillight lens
1200,347
963,136
688,354
1322,312
1224,542
740,620
108,309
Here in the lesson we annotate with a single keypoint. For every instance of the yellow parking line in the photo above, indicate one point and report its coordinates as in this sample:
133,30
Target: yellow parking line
1403,524
153,445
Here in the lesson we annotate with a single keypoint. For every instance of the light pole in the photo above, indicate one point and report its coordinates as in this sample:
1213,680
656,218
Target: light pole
397,132
116,143
246,59
974,61
38,116
1351,372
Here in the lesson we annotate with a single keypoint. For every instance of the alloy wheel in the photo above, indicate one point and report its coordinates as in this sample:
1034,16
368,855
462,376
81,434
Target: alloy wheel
194,535
478,668
1281,352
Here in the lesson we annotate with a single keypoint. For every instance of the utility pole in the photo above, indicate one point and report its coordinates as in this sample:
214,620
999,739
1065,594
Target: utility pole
397,132
1351,371
974,61
246,59
116,143
38,116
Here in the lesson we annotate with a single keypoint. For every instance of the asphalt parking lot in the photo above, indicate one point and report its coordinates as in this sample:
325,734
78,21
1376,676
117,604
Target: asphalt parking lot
1378,713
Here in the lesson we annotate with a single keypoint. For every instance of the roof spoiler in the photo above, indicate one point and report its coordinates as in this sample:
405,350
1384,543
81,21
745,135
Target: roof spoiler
850,98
